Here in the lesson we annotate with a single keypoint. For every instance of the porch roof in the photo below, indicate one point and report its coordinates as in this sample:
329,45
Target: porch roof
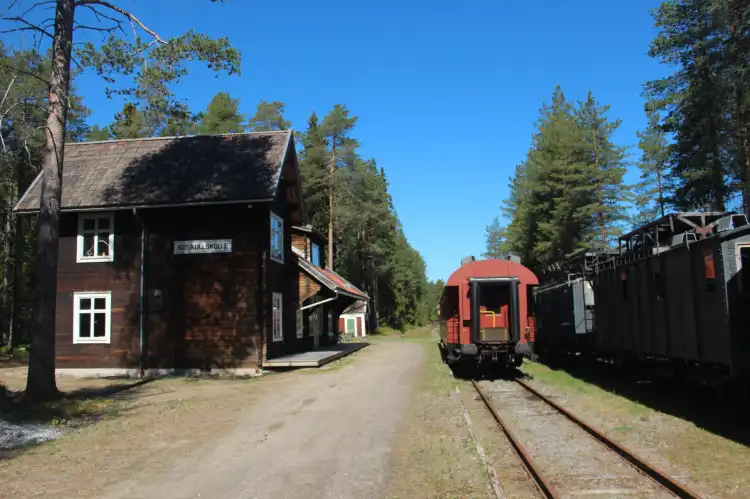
331,279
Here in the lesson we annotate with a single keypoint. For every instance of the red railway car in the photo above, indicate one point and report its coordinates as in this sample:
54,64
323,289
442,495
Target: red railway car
486,313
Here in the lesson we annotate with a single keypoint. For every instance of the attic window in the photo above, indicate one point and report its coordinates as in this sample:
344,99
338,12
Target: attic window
96,238
277,238
315,254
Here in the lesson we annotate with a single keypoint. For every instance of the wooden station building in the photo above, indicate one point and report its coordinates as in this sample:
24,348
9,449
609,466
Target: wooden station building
176,254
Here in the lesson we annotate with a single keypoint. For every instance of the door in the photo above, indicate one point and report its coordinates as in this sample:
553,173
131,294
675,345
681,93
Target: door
350,327
316,326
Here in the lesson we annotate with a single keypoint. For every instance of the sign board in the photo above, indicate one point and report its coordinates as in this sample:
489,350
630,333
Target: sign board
202,246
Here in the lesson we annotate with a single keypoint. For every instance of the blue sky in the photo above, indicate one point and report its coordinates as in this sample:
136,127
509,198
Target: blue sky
446,92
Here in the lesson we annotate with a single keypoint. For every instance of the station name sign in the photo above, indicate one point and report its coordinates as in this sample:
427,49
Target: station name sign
202,246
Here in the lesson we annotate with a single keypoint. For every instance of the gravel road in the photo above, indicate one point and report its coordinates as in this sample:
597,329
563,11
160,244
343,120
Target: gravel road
573,461
326,435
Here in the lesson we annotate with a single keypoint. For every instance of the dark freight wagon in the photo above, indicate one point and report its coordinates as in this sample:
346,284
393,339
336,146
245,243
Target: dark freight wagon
686,302
486,312
565,304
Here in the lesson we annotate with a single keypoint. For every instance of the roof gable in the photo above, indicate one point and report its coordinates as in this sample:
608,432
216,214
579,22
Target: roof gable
169,171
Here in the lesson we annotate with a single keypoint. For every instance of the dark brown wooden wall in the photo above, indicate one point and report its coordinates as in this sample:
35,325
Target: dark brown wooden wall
121,277
208,316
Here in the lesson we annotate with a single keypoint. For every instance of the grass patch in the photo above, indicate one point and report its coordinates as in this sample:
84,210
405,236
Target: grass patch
412,333
709,463
436,457
572,385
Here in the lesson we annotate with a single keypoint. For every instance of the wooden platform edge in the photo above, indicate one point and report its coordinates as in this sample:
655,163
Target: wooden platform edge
314,363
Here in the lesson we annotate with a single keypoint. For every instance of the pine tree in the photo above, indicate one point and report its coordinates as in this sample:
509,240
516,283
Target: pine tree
313,168
97,133
558,184
651,196
268,117
336,127
222,116
129,124
495,240
606,167
695,100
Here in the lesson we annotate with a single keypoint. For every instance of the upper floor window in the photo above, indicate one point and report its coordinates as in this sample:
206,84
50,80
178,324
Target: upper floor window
277,238
315,254
96,238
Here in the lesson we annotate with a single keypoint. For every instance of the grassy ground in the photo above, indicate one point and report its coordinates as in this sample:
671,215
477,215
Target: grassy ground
152,423
436,458
708,463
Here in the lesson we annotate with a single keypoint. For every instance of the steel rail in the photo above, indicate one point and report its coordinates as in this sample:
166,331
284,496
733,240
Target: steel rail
640,464
546,488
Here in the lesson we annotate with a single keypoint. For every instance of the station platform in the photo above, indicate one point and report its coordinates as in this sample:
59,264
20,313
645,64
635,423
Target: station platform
315,358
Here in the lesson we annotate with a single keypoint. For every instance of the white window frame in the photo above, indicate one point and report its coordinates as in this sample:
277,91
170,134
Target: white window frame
277,316
80,257
92,295
275,217
300,323
312,253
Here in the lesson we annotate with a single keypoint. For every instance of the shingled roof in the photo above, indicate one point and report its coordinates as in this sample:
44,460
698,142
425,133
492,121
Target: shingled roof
169,171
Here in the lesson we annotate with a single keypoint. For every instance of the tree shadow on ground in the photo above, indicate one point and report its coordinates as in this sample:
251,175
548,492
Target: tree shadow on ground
696,404
78,406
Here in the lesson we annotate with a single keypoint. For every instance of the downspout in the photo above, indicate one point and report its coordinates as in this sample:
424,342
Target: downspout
142,297
263,325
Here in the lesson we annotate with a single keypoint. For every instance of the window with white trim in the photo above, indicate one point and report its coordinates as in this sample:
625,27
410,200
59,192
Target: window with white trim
277,238
276,316
315,254
300,319
92,317
96,238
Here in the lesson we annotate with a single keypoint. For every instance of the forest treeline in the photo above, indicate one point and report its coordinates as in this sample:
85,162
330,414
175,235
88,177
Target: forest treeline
371,249
693,155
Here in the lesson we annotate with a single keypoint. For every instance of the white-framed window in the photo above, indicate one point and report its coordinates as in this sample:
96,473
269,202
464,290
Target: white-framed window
276,317
92,317
300,323
315,254
277,238
96,238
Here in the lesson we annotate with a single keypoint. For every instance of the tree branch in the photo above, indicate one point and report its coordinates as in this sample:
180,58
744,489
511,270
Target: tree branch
83,3
22,71
99,17
29,26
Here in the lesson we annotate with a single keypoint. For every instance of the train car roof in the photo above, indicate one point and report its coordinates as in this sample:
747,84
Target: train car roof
492,268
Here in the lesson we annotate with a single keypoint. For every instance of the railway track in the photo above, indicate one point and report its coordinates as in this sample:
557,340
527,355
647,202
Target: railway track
632,474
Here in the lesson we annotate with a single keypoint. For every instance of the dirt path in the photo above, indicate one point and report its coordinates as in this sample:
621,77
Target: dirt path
325,435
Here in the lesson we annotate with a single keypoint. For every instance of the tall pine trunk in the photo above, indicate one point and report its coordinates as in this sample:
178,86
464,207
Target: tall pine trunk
331,170
660,189
41,379
600,173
